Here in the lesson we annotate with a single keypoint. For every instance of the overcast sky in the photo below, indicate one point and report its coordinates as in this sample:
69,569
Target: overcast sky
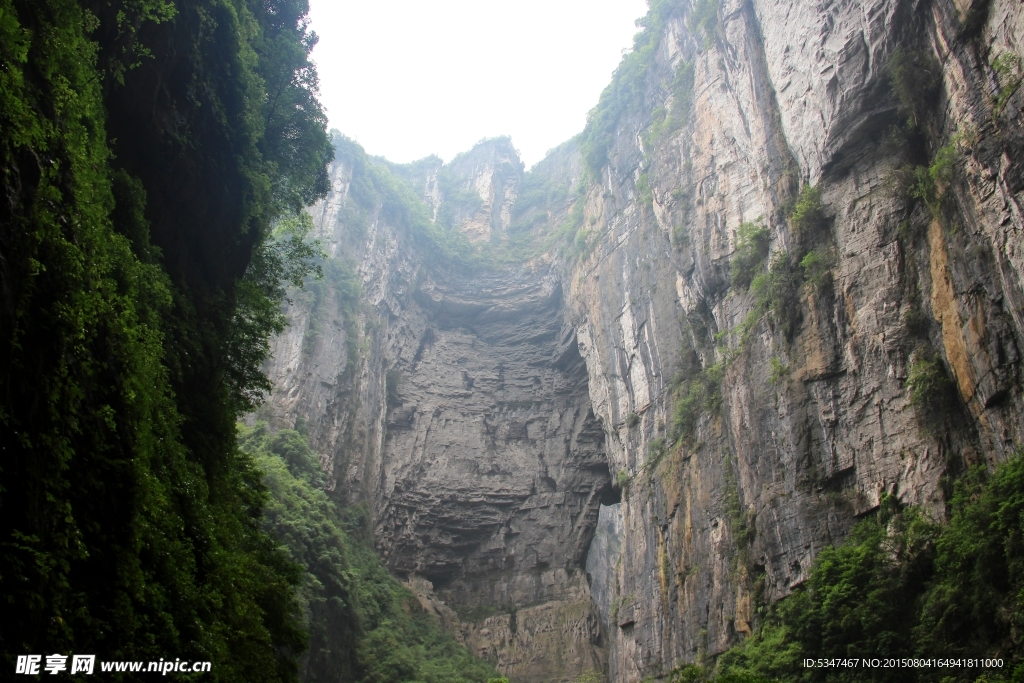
409,78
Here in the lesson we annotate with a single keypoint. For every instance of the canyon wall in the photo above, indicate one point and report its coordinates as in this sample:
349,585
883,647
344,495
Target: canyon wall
454,402
769,290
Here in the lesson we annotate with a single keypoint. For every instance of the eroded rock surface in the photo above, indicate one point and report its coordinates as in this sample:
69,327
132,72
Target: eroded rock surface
484,412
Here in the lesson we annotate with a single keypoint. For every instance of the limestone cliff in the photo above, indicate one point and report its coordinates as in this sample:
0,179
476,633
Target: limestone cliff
777,278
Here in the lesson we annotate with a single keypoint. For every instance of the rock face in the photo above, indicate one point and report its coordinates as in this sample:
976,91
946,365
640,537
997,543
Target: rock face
485,409
493,466
465,421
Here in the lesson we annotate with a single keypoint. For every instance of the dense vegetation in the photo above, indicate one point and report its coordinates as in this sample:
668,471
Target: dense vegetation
903,586
363,624
153,152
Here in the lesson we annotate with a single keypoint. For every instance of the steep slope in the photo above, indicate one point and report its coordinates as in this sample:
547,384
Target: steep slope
791,411
486,466
786,251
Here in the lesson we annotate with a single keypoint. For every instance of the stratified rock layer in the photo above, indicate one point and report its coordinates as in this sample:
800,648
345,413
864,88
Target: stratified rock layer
455,403
484,413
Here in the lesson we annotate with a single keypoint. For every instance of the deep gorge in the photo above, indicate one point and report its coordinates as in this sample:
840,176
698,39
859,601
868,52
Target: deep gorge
729,381
491,404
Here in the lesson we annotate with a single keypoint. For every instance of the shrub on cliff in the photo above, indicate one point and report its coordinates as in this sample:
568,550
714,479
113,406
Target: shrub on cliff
624,96
697,396
902,586
808,215
751,251
931,389
915,77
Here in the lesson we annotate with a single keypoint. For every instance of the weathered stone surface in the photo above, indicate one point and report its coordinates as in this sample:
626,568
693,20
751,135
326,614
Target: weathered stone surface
787,463
493,463
469,427
519,394
605,551
493,171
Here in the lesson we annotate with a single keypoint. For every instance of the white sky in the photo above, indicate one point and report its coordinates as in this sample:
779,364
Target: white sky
409,78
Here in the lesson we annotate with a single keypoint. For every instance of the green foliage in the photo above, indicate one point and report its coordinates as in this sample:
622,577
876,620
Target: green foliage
625,94
301,518
751,253
579,241
645,196
741,528
619,602
538,195
459,202
926,183
364,626
769,654
544,196
776,289
140,279
808,214
697,396
664,122
704,20
294,143
693,673
777,370
817,266
858,602
976,601
285,258
930,182
622,479
930,388
379,188
860,595
915,78
341,284
375,187
1008,73
941,171
776,292
632,420
903,586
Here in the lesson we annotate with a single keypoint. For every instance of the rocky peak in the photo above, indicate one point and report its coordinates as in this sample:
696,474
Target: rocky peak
479,189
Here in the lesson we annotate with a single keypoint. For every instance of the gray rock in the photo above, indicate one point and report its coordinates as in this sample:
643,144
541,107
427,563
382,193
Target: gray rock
522,397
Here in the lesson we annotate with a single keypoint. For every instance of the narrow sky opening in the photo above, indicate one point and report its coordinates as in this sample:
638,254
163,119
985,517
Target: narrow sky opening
410,78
